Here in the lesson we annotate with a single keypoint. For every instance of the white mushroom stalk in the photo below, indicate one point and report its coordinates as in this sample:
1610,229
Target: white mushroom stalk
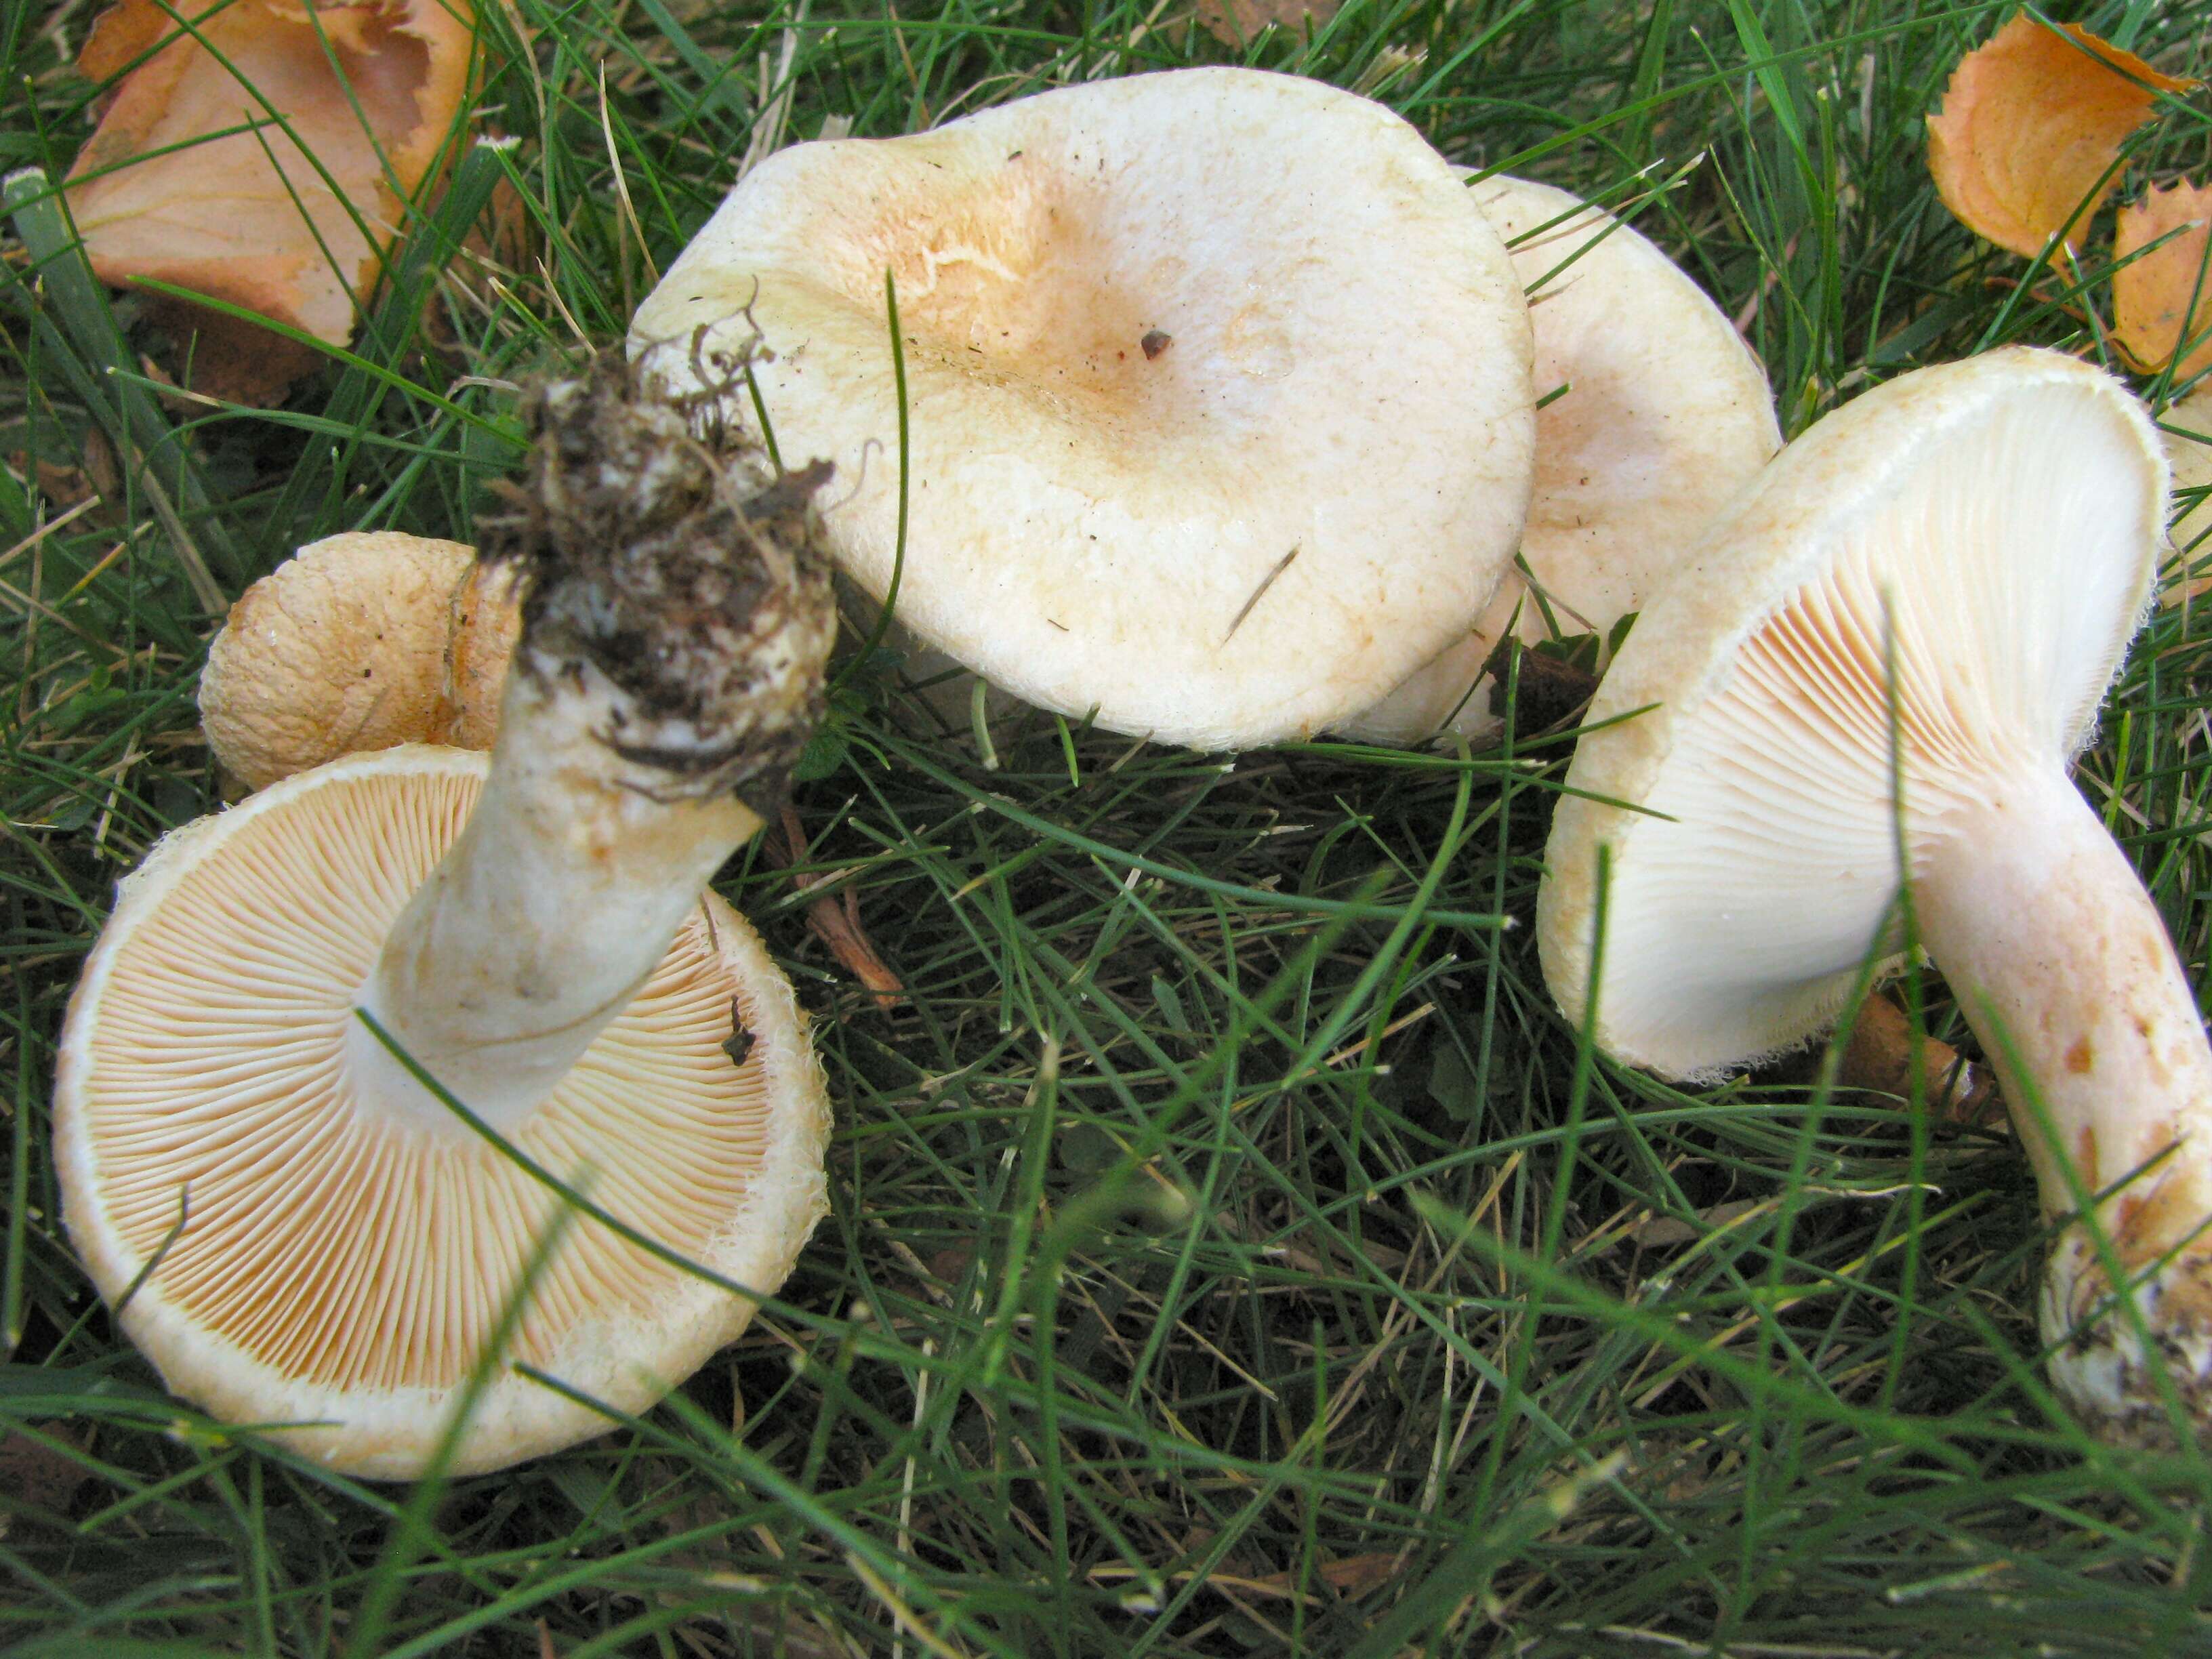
657,682
2063,968
1958,558
300,1234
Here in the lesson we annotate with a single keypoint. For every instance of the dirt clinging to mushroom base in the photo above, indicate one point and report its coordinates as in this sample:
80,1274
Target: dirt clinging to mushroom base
661,551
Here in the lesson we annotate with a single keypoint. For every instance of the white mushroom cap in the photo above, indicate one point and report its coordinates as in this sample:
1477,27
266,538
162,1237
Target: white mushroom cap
2006,512
1219,385
1665,415
341,1264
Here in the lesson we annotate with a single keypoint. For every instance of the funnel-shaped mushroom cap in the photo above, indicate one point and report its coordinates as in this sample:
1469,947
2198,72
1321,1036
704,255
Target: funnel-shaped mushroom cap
332,1257
341,647
1993,525
1218,387
1661,414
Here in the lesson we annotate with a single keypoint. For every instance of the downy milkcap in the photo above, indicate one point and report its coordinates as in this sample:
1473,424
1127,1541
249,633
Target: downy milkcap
1661,414
360,640
1217,385
299,1233
1982,537
328,1256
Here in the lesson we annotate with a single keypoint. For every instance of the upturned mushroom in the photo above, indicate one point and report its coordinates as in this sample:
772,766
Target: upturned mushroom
293,1228
1219,411
360,640
1870,679
1661,414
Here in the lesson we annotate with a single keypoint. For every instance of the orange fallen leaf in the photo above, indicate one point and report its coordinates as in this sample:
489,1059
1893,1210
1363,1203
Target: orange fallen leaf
1236,22
2031,122
1882,1052
2162,300
2188,438
264,155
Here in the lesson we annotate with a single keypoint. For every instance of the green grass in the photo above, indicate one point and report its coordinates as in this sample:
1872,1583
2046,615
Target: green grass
1211,1271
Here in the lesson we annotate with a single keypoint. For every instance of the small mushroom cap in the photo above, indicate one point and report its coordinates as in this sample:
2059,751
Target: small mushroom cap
340,648
487,621
340,1266
1178,454
1998,519
1664,416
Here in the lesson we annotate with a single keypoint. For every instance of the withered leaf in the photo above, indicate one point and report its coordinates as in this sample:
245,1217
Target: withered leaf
1356,1575
39,1472
1882,1052
2030,123
2188,438
1236,22
2157,307
264,156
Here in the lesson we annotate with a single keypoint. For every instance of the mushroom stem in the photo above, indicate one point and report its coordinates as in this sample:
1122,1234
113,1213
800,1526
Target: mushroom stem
2065,970
674,632
560,898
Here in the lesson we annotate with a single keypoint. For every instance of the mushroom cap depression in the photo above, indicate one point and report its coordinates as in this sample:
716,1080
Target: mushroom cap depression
2004,515
339,1259
1665,414
1220,412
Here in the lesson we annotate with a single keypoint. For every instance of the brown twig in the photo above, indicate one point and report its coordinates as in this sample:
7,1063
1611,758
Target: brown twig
836,923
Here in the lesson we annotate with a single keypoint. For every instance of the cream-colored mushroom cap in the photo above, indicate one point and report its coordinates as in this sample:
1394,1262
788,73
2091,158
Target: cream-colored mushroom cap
340,648
1220,412
1661,414
359,641
2001,514
332,1261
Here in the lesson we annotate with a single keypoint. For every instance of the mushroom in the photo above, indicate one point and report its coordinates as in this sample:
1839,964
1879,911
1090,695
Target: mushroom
1218,409
1988,530
360,641
1661,414
292,1226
